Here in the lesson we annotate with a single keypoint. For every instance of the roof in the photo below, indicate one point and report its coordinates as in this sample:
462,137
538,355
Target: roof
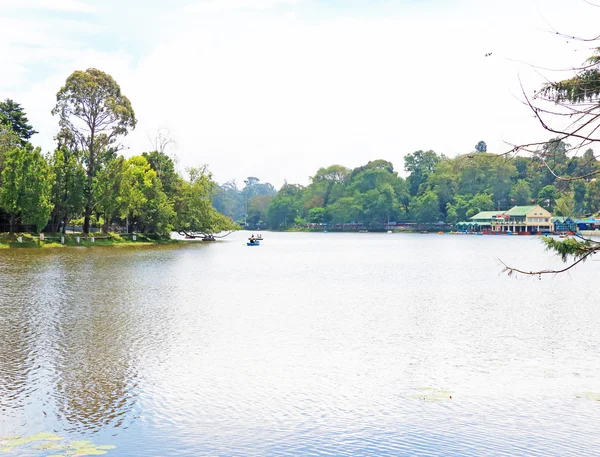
520,210
561,219
486,215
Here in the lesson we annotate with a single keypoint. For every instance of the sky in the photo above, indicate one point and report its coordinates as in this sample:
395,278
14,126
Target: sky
279,88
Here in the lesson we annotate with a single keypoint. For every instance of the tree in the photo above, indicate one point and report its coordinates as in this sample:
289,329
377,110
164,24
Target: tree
94,114
164,167
547,197
13,115
107,190
68,188
521,193
317,215
565,205
344,210
426,208
570,109
142,199
282,211
257,209
193,205
420,165
26,187
481,147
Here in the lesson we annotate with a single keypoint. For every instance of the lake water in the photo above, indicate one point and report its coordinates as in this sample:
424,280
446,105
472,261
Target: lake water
309,345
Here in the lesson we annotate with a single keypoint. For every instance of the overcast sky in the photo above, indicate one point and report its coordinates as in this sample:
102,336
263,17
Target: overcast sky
278,88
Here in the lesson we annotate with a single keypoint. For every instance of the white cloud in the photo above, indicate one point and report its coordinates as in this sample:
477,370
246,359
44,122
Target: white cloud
274,96
207,6
49,5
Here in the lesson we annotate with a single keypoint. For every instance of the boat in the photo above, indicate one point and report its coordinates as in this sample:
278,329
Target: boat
363,231
253,243
209,238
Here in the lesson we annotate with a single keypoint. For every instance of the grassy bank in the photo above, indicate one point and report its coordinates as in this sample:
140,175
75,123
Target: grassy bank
53,240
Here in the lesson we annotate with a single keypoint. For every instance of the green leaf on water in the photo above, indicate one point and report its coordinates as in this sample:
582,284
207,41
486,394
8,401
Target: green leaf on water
74,448
592,396
431,394
81,444
50,446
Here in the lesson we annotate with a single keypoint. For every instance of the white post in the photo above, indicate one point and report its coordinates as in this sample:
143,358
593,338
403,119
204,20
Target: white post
20,239
77,240
133,237
62,240
92,239
41,237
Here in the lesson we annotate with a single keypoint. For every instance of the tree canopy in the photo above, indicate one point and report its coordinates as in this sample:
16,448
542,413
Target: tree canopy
13,115
93,114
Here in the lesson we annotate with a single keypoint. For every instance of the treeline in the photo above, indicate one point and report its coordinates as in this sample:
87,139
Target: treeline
245,205
439,189
86,181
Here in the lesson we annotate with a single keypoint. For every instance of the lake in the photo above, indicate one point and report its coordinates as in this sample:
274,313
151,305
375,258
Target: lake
312,344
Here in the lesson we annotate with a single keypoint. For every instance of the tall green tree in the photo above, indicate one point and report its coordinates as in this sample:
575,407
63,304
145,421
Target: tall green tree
142,200
107,190
68,196
13,115
93,111
26,187
164,167
420,165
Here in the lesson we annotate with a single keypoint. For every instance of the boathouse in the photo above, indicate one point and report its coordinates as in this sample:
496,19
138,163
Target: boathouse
531,219
564,224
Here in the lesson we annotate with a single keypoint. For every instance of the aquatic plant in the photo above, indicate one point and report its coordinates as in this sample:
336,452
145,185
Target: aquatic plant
592,396
431,394
51,442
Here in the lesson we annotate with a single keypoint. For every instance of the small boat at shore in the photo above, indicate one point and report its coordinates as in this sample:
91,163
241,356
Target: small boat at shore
253,243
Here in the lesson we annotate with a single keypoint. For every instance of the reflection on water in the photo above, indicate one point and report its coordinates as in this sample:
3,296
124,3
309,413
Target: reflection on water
311,344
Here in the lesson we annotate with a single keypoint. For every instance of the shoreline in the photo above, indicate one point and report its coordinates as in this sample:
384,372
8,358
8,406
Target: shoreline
53,240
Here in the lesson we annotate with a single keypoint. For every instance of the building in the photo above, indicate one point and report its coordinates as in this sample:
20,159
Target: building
481,222
564,224
531,219
590,223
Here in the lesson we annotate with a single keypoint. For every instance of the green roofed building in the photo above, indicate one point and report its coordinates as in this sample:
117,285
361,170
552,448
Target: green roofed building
524,219
482,221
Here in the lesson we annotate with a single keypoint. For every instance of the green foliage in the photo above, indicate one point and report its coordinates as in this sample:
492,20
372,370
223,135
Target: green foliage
13,116
193,205
164,167
520,193
425,208
570,247
420,165
68,189
26,187
93,113
547,197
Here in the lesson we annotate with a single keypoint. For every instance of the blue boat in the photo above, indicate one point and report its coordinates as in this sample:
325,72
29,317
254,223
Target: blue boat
256,243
